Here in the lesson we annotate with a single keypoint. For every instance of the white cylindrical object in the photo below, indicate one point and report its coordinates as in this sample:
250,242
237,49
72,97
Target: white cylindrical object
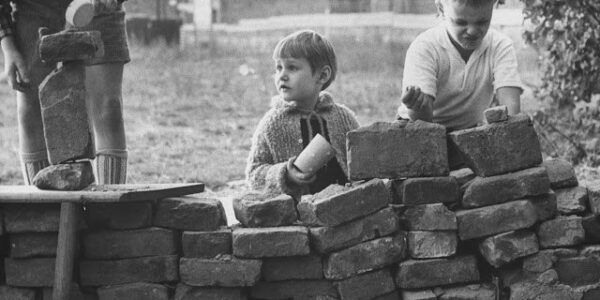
316,154
80,13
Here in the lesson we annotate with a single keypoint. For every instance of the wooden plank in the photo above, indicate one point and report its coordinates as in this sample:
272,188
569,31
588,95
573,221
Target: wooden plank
98,193
65,251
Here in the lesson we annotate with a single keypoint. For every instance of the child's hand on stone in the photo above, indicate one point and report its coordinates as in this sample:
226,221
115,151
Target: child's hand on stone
296,176
414,99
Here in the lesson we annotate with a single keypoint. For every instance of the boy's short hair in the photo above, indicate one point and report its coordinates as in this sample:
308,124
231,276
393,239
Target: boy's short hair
473,3
310,45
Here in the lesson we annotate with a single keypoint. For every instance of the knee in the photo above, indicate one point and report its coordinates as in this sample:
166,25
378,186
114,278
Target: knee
109,108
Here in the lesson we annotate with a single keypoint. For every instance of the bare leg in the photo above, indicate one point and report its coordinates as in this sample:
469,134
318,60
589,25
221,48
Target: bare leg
31,135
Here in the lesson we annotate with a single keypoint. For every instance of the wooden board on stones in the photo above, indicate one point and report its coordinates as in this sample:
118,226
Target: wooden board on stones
98,193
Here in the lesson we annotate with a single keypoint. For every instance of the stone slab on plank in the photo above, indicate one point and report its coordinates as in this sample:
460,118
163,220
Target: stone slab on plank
121,216
395,150
564,231
572,201
262,210
292,267
494,219
578,271
224,271
431,244
546,206
71,45
15,293
153,241
134,291
376,225
418,274
499,148
270,242
206,244
561,173
484,191
338,204
33,244
427,217
29,272
195,213
501,249
152,269
366,286
31,218
496,114
65,177
186,292
294,289
425,190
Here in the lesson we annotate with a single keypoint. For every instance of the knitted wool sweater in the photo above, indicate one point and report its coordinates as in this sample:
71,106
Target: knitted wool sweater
278,137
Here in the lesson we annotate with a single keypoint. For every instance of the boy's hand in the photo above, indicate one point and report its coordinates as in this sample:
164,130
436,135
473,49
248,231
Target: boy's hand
419,104
14,65
106,6
296,176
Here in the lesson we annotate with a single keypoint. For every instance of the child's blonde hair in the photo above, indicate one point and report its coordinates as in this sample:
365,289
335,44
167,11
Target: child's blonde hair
309,45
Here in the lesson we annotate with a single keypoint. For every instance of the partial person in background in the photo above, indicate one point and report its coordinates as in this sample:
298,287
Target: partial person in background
104,76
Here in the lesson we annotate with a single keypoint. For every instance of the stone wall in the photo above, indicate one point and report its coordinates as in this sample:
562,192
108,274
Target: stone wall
510,226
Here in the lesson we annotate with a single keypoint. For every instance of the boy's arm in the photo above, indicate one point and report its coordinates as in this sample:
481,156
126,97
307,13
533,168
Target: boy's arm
419,104
511,97
419,81
14,63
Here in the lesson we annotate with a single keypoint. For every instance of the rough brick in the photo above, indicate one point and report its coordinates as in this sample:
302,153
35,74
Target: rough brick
470,292
294,267
338,204
261,210
536,290
75,293
327,239
499,148
366,286
572,201
418,295
591,226
417,274
594,199
206,244
270,242
14,293
561,173
65,177
483,191
66,126
545,259
432,244
490,220
429,217
71,45
364,257
29,272
506,247
224,271
545,206
134,291
32,244
190,213
463,175
131,215
31,218
561,232
496,114
591,294
399,149
416,191
145,269
294,289
578,271
186,292
130,243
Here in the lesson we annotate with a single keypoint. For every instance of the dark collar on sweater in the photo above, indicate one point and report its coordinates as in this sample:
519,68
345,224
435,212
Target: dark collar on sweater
324,103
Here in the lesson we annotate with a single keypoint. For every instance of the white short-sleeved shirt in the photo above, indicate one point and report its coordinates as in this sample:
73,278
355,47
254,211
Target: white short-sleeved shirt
462,91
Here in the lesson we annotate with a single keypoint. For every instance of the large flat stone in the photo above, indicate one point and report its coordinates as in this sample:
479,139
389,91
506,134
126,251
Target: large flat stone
261,210
134,291
561,232
225,271
501,249
65,177
270,242
29,272
418,274
152,241
152,269
131,215
186,292
399,149
572,201
206,244
428,217
33,244
494,219
578,271
338,204
190,213
561,173
71,45
366,286
292,267
425,190
499,148
432,244
294,289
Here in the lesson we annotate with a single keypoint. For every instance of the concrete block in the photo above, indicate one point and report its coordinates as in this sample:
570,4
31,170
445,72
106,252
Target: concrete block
561,173
428,217
496,114
131,215
399,149
501,249
578,271
328,239
431,244
561,232
15,293
270,242
65,177
364,257
31,218
294,289
71,45
545,259
418,274
591,226
366,286
206,244
545,206
418,295
33,244
499,148
494,219
224,271
425,190
190,213
29,272
594,199
134,291
338,204
152,241
186,292
470,292
572,201
484,191
261,210
292,267
151,269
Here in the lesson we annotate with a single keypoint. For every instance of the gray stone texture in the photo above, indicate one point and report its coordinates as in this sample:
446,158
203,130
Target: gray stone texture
399,149
292,267
224,271
545,206
494,219
134,291
594,199
71,45
499,148
484,191
431,244
470,292
366,286
31,218
206,244
527,290
418,295
270,242
425,190
33,244
131,215
338,204
501,249
578,271
197,213
427,217
75,293
15,293
152,241
262,210
591,294
364,257
294,289
29,272
151,269
379,224
561,173
545,259
65,177
186,292
571,201
463,175
64,114
418,274
591,226
496,114
563,231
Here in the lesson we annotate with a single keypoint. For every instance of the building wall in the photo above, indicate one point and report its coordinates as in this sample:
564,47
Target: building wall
234,10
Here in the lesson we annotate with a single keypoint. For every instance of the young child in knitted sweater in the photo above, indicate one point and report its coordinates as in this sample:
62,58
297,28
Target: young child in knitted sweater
305,65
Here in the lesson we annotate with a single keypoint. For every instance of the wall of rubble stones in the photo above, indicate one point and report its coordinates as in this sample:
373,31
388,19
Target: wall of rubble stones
510,227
